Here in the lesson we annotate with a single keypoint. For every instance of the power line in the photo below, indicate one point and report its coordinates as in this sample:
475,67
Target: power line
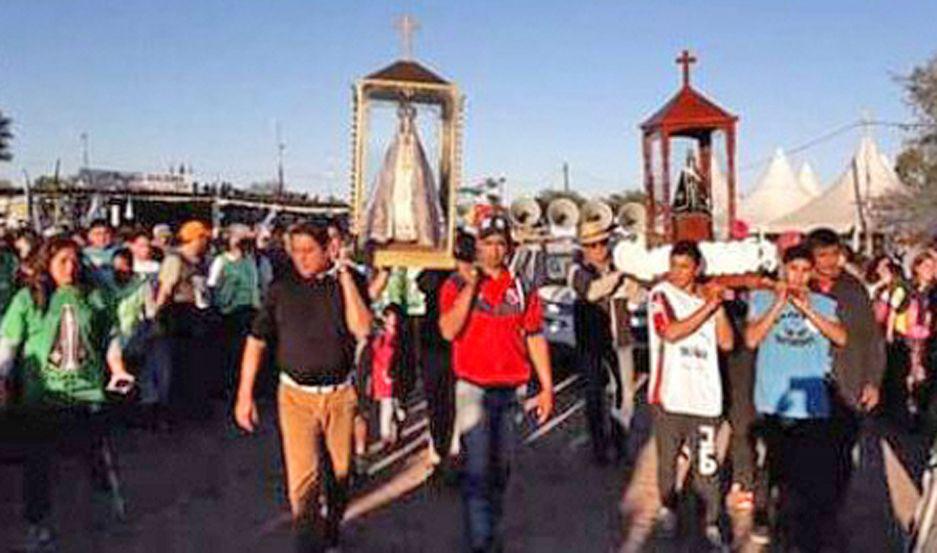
836,132
808,144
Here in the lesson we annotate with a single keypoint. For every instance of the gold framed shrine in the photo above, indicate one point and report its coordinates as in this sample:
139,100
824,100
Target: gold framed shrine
416,95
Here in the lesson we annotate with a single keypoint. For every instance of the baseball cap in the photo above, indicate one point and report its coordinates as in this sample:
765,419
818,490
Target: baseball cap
494,224
193,230
161,229
239,231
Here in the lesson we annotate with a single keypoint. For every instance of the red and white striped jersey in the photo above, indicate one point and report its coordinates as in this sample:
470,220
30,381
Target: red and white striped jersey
684,374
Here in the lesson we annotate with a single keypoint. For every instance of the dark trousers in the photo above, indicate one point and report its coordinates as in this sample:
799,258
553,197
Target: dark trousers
193,349
486,422
50,434
439,388
598,364
802,460
741,378
671,432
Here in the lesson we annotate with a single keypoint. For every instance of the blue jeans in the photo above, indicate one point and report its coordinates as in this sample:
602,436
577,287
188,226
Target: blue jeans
486,424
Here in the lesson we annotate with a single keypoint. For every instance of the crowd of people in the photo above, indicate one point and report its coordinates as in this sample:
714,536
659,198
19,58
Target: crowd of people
761,385
107,327
128,322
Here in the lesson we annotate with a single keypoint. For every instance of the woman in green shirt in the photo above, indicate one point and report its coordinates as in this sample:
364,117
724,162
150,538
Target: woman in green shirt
57,331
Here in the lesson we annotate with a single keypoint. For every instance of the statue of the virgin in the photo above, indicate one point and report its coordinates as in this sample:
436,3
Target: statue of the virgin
404,205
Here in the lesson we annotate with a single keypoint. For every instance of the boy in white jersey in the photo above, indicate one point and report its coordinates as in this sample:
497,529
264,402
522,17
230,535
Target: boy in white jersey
688,328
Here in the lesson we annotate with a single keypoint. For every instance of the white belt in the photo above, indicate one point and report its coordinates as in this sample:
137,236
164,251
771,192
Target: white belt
327,389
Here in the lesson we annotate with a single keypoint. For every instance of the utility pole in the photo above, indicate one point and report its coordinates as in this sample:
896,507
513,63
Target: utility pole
30,203
280,147
84,151
566,177
86,159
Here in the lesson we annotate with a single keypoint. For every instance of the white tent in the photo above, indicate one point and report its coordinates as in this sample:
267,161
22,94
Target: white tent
776,194
866,178
808,180
720,199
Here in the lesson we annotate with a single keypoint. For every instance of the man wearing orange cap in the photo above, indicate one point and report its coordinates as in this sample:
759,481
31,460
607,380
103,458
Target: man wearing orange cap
181,301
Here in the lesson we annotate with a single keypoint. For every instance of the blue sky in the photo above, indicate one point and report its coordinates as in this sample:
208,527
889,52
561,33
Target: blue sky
202,82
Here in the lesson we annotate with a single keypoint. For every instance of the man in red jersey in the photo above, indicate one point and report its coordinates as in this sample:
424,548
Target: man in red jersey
495,327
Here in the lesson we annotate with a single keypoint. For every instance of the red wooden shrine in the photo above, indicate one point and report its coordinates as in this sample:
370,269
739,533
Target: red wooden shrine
690,115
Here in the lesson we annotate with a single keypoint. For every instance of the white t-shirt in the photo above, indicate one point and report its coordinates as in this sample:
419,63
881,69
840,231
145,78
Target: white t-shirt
684,374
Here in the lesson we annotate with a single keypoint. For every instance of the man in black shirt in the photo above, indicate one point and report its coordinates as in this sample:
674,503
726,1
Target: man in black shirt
315,317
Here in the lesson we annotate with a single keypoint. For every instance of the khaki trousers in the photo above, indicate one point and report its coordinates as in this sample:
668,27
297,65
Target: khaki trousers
309,421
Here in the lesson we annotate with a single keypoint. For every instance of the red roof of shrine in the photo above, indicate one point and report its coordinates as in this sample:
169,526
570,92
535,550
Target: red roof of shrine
689,109
404,70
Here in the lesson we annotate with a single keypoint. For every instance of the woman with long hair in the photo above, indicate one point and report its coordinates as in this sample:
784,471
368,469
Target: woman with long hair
57,333
910,328
886,287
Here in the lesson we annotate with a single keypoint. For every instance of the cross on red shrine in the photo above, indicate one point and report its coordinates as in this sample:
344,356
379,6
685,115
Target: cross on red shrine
686,59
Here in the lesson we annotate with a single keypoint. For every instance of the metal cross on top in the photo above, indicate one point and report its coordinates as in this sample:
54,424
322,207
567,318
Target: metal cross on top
407,25
686,59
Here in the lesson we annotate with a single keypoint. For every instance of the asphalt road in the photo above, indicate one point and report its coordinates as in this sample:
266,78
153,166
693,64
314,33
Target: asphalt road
206,487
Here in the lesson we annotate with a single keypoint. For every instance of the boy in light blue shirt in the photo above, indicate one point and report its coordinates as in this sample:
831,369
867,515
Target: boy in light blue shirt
794,357
795,330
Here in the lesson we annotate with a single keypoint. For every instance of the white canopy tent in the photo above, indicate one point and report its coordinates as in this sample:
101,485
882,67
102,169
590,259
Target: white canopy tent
720,200
808,180
776,194
844,204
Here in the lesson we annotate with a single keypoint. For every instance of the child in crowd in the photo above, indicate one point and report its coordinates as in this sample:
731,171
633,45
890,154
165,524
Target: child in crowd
385,355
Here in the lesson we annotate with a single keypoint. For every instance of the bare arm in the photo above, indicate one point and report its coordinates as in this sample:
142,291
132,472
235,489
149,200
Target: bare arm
725,338
679,329
834,330
452,320
357,315
250,366
115,360
539,351
163,295
593,288
378,284
603,286
245,410
169,274
758,328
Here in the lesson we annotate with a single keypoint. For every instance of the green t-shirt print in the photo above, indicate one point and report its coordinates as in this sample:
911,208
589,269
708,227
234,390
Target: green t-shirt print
61,349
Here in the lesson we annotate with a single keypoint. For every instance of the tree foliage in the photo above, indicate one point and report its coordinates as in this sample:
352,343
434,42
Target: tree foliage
916,211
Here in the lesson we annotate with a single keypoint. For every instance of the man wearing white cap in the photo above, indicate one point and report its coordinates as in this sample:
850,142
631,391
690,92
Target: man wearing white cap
238,279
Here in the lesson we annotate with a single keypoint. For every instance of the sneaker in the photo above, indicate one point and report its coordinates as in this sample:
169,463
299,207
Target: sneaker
666,523
39,539
713,537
